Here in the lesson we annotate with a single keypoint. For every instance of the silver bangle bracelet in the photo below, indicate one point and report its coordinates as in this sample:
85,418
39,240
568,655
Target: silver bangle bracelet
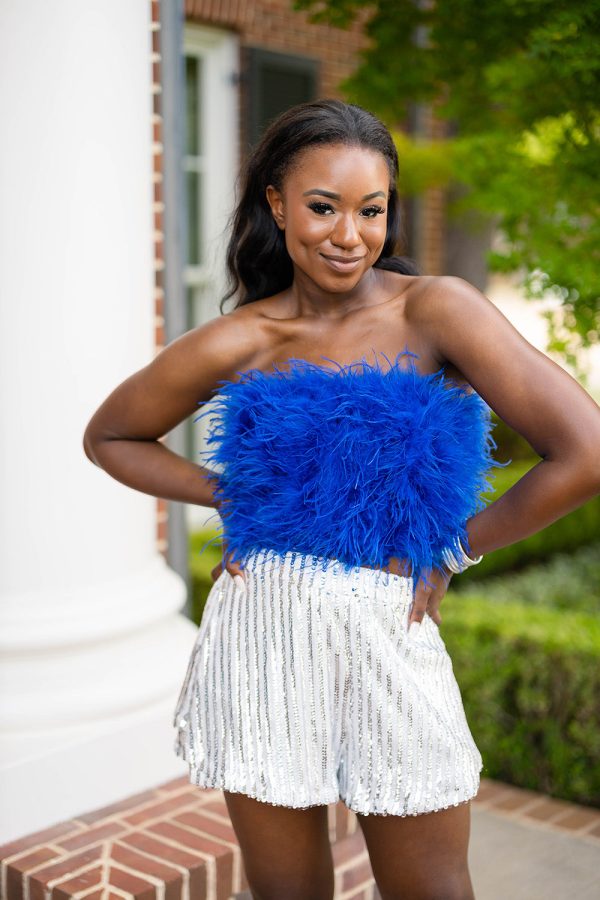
458,563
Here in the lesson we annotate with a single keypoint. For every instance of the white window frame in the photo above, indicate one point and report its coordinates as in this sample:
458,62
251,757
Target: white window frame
219,113
218,50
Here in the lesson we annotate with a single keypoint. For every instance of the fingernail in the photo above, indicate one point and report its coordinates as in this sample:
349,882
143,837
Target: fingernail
237,579
414,629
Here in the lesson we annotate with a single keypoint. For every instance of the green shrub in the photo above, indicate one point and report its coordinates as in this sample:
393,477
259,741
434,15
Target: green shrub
201,564
530,682
569,581
510,444
577,528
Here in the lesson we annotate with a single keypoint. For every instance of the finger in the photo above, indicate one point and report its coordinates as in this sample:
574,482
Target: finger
238,576
434,613
216,571
442,580
236,572
417,610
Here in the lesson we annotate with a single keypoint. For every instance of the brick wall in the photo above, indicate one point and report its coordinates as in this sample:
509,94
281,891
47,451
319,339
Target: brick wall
432,239
157,178
273,25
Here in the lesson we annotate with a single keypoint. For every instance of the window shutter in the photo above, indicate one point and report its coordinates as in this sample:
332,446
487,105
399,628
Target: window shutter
276,81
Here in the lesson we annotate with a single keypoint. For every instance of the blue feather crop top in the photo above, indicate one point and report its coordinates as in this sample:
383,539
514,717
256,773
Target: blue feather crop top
354,463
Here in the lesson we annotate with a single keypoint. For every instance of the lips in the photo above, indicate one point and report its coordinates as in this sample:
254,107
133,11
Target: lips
343,263
343,259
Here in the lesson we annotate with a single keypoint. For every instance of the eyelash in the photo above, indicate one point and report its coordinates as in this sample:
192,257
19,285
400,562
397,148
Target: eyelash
378,210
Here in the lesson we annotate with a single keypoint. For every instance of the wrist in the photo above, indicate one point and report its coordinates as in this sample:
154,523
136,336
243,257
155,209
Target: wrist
456,558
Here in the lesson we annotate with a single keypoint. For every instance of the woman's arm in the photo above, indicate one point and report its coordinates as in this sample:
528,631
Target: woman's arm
123,437
533,395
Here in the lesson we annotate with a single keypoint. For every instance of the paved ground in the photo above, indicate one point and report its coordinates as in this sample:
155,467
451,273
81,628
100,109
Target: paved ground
511,859
527,846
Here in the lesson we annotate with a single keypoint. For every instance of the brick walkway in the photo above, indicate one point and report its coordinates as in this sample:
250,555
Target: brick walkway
176,843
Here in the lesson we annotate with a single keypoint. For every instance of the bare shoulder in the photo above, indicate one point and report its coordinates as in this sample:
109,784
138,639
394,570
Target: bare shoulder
524,386
432,297
182,376
219,347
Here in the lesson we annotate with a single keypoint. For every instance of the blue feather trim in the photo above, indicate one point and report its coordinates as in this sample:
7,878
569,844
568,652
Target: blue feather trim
354,463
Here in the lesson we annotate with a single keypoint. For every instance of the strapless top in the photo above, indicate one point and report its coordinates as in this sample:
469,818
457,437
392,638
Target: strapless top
355,463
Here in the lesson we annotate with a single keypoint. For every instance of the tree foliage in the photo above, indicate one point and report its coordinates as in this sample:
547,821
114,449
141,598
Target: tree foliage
519,81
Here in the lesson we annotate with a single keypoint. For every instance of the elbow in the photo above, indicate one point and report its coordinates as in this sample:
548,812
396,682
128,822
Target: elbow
588,467
90,443
594,473
87,448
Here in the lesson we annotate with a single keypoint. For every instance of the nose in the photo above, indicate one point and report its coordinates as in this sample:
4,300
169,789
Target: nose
346,232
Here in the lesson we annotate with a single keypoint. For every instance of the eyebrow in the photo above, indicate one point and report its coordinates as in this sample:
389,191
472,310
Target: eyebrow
338,197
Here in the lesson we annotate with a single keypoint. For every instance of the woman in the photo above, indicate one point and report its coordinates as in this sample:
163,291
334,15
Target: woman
349,489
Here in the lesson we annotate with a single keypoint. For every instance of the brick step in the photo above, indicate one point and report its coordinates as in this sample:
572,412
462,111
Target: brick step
176,842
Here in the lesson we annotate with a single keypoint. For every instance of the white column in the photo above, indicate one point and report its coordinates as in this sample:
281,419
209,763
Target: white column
93,646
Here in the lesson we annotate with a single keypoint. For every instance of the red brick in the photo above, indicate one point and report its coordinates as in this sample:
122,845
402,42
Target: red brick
33,858
341,820
100,895
129,803
188,839
223,855
493,793
578,818
65,889
38,838
193,862
158,809
360,873
15,870
93,835
138,887
348,848
486,790
71,863
515,799
172,877
548,809
211,826
217,804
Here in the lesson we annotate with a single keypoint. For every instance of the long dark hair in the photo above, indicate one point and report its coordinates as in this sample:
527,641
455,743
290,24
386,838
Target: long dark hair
258,263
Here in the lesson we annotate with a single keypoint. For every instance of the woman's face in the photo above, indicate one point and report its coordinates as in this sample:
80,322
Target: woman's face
333,209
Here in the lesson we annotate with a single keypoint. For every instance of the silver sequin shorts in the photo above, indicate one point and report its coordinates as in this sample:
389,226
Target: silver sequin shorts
305,688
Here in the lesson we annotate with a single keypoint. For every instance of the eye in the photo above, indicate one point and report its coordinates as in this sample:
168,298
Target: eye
322,209
374,210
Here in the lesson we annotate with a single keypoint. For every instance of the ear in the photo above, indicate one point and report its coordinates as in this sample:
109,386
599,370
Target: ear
275,201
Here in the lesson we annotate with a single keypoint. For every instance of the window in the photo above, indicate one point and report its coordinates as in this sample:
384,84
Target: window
276,81
194,159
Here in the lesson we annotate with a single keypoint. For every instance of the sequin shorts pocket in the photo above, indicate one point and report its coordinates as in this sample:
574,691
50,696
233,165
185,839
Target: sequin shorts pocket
305,688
